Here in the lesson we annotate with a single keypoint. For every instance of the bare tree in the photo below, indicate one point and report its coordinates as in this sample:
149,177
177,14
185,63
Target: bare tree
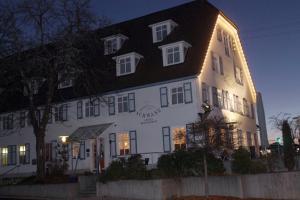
58,37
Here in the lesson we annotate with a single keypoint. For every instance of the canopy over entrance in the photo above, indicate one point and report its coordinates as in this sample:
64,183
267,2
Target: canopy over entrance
88,132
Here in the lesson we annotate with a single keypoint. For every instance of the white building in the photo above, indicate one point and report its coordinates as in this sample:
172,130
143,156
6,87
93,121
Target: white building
167,65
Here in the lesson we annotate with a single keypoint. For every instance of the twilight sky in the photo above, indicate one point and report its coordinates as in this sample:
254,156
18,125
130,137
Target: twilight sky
270,35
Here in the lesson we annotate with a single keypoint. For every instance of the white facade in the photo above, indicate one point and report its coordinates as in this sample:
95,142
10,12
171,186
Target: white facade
147,117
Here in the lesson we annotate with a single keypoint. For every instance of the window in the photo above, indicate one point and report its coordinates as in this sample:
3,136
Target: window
133,142
111,105
8,122
79,110
179,138
22,119
65,79
112,144
61,113
226,43
163,97
205,93
220,98
110,46
225,99
96,104
160,30
166,139
215,96
240,137
89,109
249,139
124,143
12,154
219,34
75,150
126,64
131,102
177,95
217,63
4,156
238,75
123,104
174,53
24,154
237,104
113,43
187,93
246,107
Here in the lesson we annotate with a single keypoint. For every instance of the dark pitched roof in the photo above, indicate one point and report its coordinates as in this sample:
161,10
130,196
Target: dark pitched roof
195,20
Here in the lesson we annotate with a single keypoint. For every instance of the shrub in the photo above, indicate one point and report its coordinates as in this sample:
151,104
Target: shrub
241,161
135,167
115,171
187,163
243,164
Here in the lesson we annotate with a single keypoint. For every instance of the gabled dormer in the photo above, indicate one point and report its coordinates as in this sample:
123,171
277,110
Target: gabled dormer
126,63
113,43
174,53
162,29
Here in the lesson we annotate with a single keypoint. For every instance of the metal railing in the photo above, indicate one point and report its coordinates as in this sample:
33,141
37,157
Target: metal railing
8,171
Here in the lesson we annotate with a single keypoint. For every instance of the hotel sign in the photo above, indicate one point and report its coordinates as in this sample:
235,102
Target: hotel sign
148,114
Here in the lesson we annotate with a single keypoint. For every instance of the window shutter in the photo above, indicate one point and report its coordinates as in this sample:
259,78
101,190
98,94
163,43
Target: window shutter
82,150
221,65
188,93
112,144
133,142
96,108
215,96
166,139
27,153
212,61
53,150
164,97
79,110
131,102
111,105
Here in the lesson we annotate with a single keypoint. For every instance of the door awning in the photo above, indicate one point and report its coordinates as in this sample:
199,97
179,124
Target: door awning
88,132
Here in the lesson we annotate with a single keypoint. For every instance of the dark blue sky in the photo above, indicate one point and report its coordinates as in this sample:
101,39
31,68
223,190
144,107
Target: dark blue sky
270,34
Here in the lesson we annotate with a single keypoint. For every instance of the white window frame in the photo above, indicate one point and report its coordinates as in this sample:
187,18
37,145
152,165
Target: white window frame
134,60
169,24
175,93
118,38
182,48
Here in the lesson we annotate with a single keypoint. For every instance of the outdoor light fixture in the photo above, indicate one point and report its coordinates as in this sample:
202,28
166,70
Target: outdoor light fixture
63,138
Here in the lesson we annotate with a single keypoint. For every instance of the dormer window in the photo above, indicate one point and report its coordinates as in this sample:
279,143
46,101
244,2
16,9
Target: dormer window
113,43
174,53
162,29
65,80
126,64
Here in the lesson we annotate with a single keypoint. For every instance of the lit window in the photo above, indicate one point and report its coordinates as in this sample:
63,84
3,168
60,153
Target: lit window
24,153
123,104
124,143
177,95
4,156
162,29
179,138
75,150
174,53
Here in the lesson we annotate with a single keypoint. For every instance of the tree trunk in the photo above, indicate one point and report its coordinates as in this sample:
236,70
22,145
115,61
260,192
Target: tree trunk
40,153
